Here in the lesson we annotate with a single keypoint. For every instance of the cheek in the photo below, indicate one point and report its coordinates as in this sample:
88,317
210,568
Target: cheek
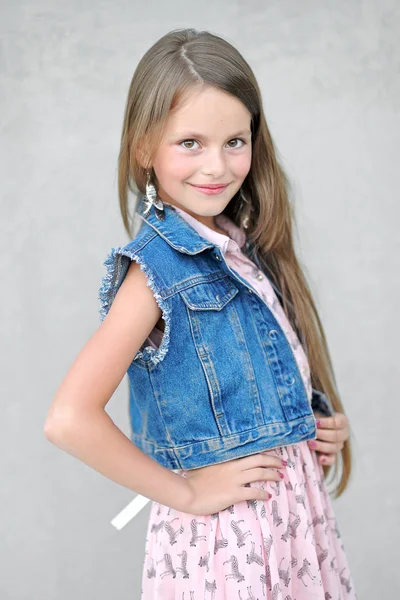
173,166
241,165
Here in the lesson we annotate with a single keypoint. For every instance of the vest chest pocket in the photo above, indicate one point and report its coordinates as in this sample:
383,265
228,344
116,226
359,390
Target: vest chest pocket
217,337
210,295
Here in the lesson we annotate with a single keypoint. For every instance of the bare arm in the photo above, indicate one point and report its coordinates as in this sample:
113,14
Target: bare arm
77,422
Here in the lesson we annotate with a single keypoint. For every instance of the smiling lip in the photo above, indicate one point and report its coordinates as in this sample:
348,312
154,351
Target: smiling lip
211,189
211,186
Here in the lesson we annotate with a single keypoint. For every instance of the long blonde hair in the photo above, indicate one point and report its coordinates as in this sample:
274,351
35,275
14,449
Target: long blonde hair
177,63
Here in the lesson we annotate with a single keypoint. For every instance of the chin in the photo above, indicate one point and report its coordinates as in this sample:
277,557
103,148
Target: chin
209,205
212,210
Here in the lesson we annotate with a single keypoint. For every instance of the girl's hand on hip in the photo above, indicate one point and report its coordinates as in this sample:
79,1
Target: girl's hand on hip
333,432
215,487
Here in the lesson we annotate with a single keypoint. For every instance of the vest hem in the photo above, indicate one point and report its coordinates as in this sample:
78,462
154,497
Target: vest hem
224,448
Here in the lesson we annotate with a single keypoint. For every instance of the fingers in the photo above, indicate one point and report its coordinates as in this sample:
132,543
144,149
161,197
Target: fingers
326,447
260,460
327,459
327,433
259,474
332,435
254,493
336,421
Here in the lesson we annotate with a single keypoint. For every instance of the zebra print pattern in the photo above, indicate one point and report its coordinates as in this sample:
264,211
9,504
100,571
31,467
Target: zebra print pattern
287,548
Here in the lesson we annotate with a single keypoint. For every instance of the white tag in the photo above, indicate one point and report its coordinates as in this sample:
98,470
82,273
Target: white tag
131,510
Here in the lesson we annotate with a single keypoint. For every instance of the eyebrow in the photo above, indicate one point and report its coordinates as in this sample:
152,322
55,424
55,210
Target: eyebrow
190,134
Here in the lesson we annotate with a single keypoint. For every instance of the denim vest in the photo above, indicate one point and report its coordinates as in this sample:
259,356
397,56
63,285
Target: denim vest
203,396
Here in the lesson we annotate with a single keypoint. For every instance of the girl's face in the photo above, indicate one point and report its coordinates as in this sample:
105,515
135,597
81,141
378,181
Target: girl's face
207,140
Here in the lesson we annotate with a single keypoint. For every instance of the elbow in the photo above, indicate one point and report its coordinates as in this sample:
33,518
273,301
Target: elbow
57,427
50,430
53,432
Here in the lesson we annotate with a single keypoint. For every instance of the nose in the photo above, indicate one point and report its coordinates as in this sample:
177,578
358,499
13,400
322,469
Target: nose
214,163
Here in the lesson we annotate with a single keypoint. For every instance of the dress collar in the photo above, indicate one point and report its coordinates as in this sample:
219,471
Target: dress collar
234,239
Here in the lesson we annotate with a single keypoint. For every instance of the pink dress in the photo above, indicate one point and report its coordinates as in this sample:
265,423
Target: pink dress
285,548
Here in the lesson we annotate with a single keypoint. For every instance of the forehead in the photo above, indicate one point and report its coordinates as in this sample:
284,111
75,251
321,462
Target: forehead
210,110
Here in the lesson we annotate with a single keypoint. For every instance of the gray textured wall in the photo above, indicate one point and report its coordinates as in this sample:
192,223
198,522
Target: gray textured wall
330,80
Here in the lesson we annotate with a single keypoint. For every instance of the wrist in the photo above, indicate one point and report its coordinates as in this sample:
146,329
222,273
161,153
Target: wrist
182,494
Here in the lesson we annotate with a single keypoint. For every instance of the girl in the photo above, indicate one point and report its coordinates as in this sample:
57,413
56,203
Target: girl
208,312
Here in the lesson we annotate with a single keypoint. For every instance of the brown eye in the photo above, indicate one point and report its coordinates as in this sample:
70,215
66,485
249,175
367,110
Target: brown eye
190,142
235,140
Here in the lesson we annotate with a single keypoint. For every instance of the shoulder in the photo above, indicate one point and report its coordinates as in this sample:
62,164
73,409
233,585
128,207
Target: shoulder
121,256
119,262
143,237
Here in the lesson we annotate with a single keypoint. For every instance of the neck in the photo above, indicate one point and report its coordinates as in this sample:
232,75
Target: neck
208,221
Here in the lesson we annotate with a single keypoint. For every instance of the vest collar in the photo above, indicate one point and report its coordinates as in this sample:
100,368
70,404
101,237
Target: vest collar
175,230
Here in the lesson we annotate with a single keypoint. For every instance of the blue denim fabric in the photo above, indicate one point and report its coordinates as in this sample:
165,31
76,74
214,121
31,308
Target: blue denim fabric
224,382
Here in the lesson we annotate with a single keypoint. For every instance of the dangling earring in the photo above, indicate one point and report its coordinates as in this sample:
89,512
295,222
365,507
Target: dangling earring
243,202
151,199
